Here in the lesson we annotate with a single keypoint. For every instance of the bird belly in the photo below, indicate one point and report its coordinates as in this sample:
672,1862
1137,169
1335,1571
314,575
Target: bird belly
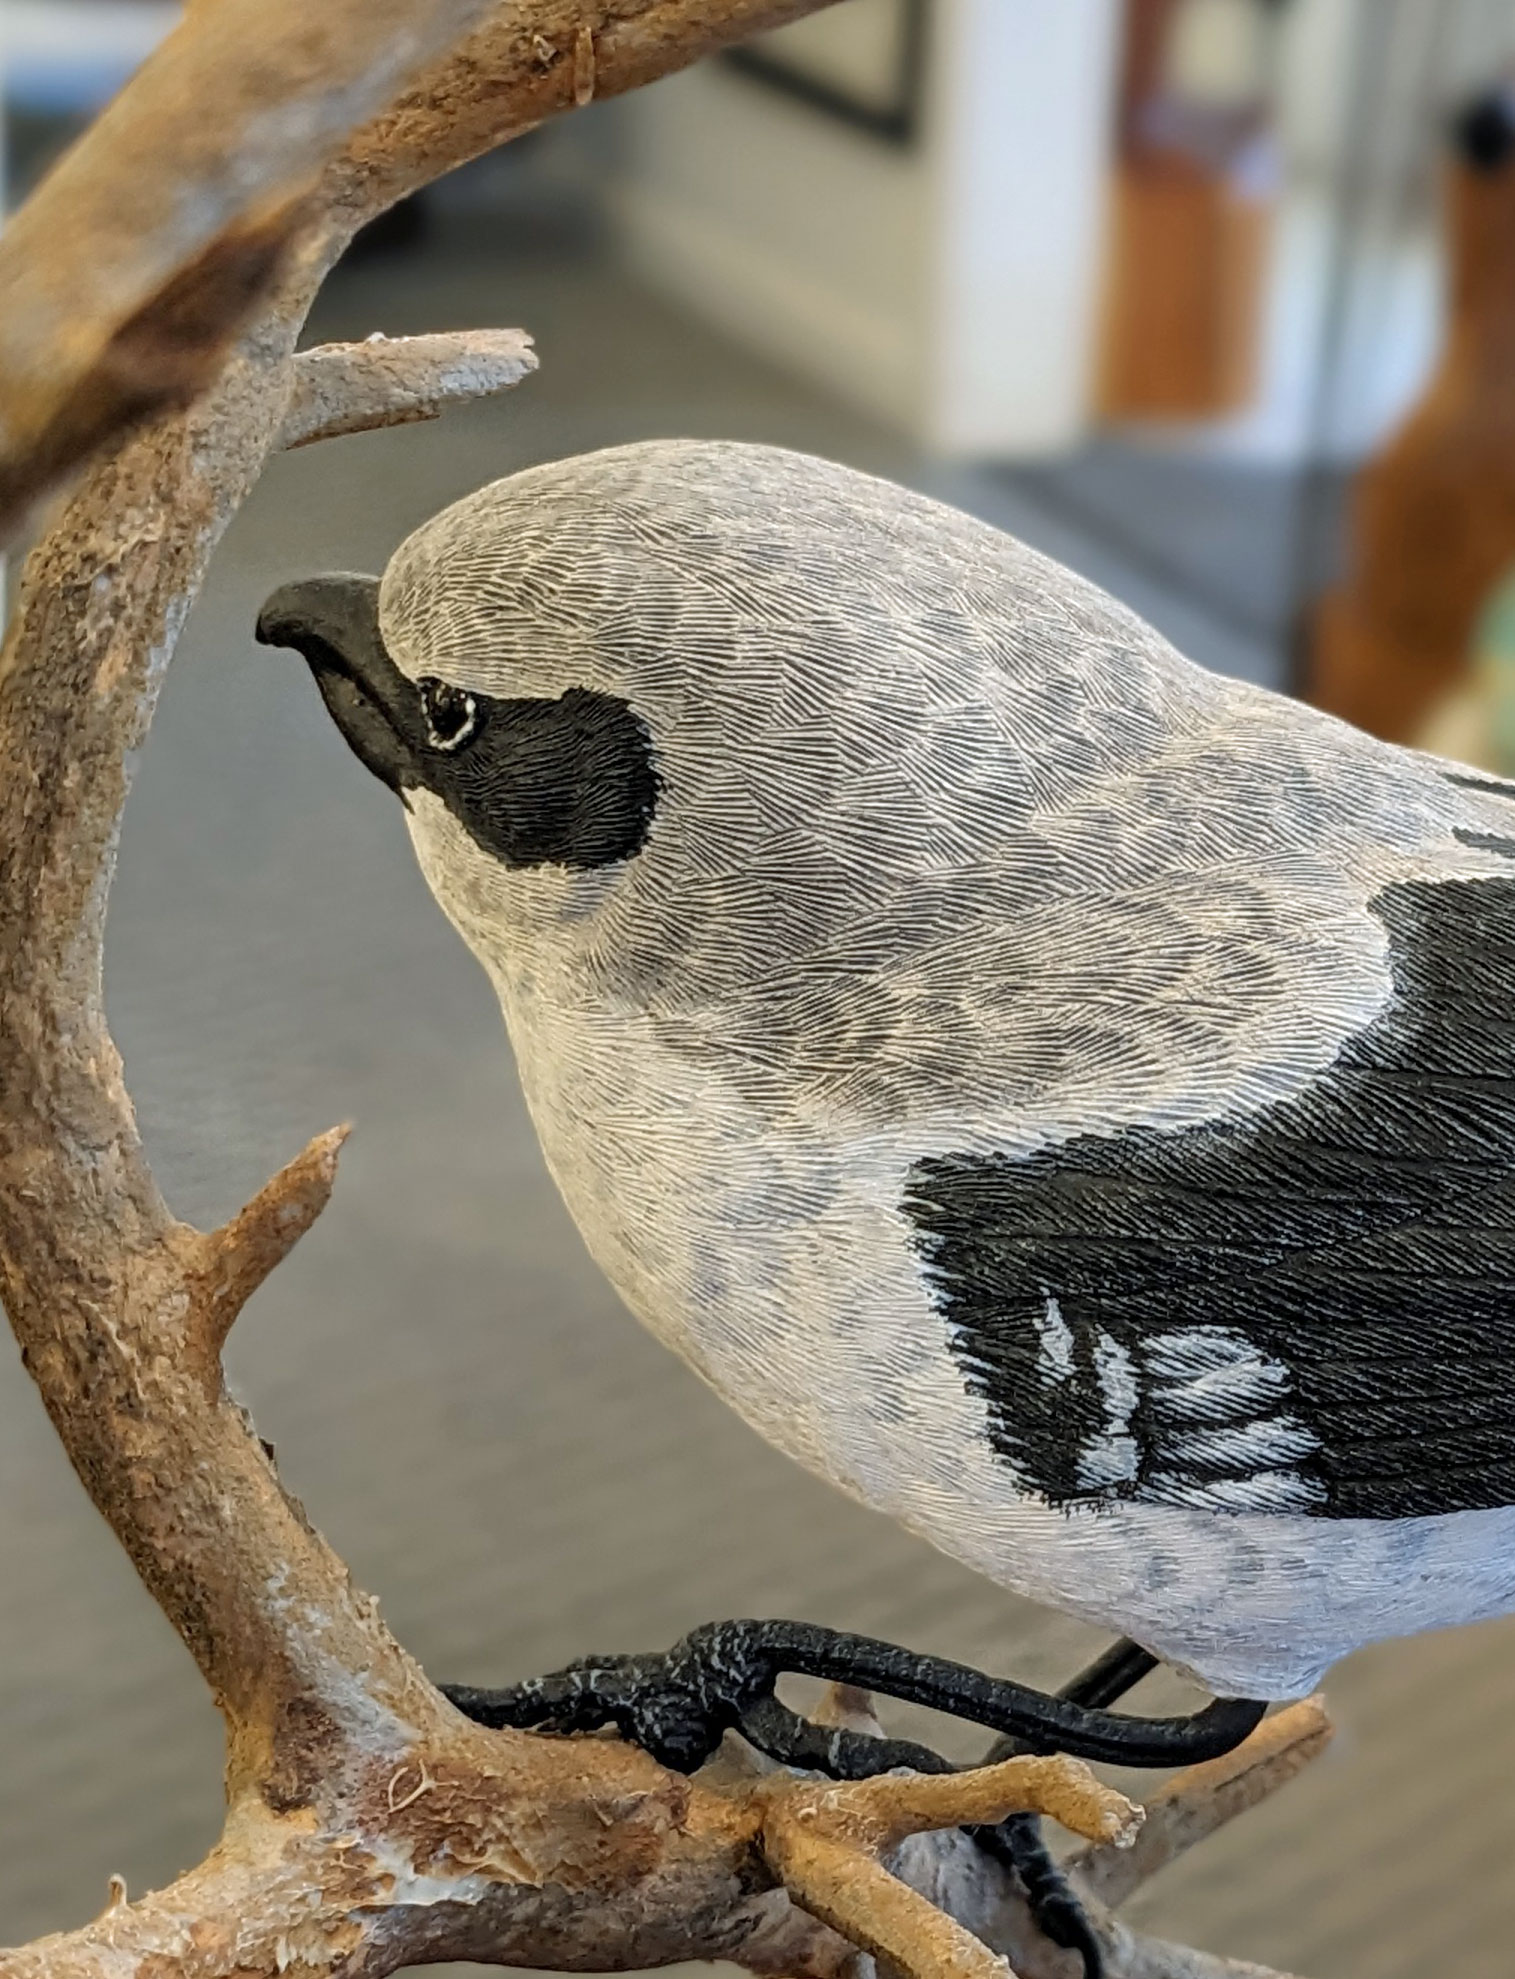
781,1268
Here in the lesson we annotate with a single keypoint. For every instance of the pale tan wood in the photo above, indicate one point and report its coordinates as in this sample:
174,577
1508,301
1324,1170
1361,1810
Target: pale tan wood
126,275
338,389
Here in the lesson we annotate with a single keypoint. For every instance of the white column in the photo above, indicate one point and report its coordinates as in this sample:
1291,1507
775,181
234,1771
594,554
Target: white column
951,288
1022,120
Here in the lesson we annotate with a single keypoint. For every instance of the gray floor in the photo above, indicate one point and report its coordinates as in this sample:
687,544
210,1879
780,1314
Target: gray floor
502,1456
1242,545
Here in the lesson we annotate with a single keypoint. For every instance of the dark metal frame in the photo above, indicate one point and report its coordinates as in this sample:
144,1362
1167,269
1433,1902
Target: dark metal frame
898,123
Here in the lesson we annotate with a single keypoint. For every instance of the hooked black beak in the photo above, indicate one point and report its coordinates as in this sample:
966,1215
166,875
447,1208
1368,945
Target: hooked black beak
333,622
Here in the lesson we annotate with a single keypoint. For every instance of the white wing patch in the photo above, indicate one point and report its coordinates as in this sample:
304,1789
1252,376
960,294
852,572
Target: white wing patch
1195,1416
1114,1455
1221,1435
1056,1337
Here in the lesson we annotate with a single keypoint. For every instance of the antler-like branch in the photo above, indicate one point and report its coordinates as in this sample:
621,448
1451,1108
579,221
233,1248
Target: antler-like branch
826,1843
104,1289
1194,1803
579,1854
109,1296
124,280
1190,1806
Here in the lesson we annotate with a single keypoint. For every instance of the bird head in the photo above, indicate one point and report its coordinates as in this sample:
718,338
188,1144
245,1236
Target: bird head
498,783
672,711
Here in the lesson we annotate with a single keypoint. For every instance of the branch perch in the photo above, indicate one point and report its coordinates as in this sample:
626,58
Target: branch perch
369,1826
960,1879
825,1842
1198,1801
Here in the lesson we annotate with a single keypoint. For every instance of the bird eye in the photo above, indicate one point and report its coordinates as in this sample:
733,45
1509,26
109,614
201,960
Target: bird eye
452,714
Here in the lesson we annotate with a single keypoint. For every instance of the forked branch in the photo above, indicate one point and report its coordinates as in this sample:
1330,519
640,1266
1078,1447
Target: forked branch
123,283
964,1882
1195,1803
828,1844
126,277
959,1879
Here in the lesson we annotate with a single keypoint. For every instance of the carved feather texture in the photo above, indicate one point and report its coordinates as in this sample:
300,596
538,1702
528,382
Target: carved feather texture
1060,1095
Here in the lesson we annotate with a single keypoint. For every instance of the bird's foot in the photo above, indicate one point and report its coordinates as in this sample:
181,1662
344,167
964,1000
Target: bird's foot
676,1705
1051,1899
1018,1843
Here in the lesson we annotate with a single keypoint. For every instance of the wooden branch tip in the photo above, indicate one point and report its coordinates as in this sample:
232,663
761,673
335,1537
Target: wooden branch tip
884,1810
241,1254
859,1898
1191,1806
338,389
825,1839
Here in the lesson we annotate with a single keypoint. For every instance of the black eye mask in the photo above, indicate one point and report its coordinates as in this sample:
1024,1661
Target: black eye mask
569,782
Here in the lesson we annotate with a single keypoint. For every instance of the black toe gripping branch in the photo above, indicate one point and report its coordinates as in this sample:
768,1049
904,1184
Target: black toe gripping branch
676,1705
1016,1842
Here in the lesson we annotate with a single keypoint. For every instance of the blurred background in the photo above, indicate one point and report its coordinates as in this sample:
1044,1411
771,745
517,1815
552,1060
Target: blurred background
1214,300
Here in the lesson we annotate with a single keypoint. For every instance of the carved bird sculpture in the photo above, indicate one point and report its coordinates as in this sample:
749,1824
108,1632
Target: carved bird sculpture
1061,1096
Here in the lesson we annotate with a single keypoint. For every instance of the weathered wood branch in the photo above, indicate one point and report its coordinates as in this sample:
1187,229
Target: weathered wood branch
237,1258
104,1289
959,1879
829,1852
389,381
475,1844
126,276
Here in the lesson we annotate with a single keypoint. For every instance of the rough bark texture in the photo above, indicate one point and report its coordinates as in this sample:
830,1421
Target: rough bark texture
124,280
352,388
1196,1803
368,1825
954,1874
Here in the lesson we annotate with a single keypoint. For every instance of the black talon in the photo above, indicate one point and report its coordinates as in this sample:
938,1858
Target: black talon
1050,1898
674,1705
1016,1842
784,1735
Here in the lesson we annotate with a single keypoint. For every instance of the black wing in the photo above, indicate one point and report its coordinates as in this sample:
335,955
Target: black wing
1309,1310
